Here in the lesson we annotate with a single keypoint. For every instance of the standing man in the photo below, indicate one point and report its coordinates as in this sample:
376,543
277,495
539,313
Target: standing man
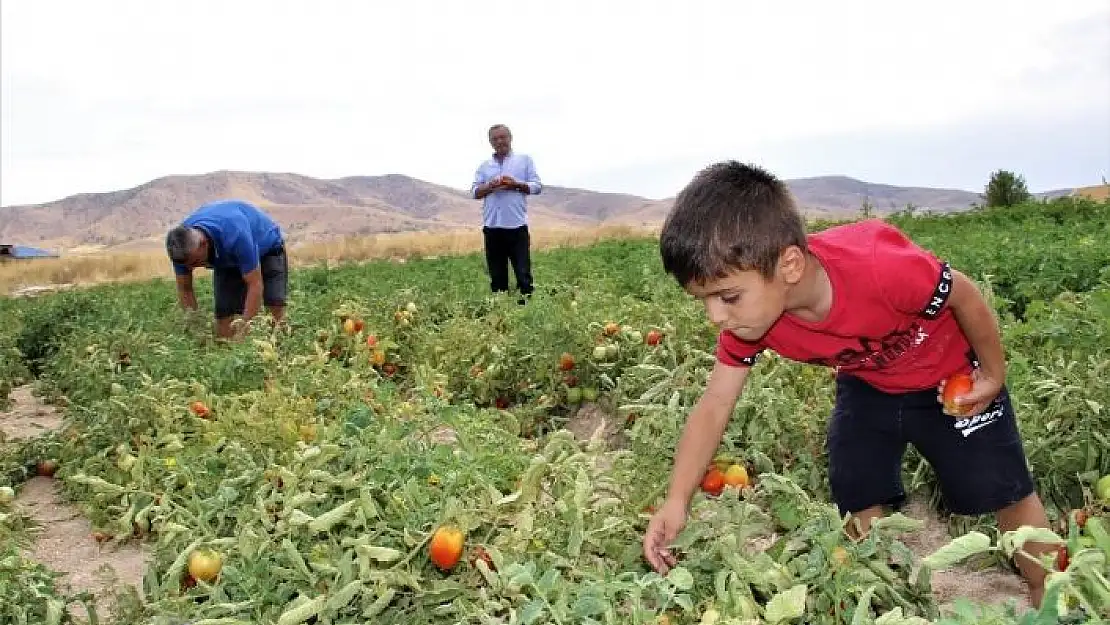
244,248
502,183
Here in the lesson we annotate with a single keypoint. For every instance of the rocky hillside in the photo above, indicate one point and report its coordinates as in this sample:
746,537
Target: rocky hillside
311,209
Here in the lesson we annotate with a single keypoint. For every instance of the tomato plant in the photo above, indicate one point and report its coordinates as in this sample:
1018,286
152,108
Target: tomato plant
401,395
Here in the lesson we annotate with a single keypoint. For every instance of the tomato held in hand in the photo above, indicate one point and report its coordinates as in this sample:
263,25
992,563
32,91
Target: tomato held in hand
955,386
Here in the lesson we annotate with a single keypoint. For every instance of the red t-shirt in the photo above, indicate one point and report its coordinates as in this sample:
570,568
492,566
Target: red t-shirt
889,323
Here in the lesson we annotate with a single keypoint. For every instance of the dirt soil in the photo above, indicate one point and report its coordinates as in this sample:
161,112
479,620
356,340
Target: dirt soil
28,417
591,420
985,586
63,540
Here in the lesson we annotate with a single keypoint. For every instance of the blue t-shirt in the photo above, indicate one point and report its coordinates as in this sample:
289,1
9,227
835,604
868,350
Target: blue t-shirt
240,234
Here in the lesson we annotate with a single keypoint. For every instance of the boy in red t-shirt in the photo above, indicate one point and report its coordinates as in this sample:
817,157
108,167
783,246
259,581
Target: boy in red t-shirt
889,317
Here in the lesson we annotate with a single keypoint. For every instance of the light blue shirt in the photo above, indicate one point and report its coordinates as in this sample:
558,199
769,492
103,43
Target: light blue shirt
505,208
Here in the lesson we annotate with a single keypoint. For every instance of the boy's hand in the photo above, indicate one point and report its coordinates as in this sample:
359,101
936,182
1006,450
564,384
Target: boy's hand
984,390
664,527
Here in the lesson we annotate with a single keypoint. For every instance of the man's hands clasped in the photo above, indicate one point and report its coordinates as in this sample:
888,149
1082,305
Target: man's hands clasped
506,182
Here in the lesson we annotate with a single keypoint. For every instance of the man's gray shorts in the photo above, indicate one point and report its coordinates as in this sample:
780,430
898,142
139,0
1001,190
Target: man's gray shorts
231,292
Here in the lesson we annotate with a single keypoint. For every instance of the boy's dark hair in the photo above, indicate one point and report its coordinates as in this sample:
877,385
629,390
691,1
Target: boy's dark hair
731,216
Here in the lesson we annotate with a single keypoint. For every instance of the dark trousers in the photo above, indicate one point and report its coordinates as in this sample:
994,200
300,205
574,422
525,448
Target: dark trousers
505,245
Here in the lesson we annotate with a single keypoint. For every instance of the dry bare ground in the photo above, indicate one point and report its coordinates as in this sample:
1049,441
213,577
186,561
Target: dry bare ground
982,586
63,537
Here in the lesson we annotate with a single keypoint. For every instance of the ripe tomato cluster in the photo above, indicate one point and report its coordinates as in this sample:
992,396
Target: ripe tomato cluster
715,480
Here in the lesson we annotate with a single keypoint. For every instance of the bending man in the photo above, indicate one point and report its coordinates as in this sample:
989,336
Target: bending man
244,248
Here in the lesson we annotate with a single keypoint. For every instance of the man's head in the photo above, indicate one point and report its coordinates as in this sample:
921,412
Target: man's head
501,139
187,246
736,240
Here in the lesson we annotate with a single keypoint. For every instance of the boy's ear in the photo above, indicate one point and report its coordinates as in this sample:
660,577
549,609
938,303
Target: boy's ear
792,262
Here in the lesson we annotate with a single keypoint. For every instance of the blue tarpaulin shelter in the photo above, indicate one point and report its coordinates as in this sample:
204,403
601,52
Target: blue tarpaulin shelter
24,251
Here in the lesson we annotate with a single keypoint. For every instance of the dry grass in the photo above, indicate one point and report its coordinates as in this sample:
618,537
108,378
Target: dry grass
1097,193
101,267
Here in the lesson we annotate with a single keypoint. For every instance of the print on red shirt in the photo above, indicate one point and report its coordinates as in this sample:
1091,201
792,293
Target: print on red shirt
888,325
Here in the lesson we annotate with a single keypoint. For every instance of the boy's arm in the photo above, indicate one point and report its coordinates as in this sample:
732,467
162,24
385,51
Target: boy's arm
703,431
979,325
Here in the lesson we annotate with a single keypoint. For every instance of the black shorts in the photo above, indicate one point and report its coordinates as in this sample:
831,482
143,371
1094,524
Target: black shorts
979,460
230,291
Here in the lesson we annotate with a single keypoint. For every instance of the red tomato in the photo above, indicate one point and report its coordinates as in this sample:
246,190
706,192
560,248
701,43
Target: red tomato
713,482
446,547
958,384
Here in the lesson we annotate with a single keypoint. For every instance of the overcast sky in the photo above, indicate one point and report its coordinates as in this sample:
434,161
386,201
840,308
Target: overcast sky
613,95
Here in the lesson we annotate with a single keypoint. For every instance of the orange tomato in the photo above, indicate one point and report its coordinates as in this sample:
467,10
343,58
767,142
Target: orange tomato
566,361
199,409
446,547
737,475
954,386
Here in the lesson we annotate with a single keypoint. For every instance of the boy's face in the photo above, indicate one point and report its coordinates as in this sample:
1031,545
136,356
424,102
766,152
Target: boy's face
746,303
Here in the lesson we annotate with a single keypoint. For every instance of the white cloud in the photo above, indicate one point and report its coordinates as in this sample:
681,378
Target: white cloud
98,98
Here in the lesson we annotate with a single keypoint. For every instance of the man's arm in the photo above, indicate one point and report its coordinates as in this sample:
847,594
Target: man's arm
185,295
253,304
979,325
531,185
246,252
481,187
703,431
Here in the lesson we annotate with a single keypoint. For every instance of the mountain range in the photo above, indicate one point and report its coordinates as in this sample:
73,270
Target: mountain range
312,209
